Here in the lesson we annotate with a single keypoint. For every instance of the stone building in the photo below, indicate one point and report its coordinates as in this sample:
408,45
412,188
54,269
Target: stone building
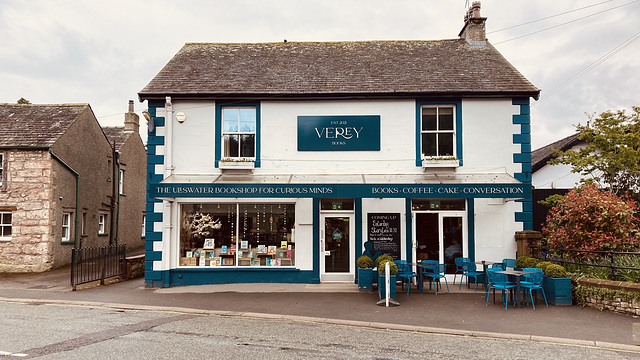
60,187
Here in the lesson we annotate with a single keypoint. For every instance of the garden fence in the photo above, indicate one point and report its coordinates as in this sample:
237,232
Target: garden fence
97,263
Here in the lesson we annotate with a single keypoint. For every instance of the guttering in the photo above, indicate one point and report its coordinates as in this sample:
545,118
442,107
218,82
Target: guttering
75,232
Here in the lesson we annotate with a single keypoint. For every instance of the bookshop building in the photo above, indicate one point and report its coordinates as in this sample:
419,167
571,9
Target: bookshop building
276,162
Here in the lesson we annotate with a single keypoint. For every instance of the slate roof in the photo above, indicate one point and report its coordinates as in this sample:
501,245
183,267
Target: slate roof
36,125
117,134
383,68
541,156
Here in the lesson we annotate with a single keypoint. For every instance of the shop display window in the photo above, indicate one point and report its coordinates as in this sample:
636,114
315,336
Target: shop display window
246,234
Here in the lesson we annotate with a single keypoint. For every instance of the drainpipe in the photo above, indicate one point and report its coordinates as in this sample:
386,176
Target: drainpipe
117,161
114,190
168,123
75,233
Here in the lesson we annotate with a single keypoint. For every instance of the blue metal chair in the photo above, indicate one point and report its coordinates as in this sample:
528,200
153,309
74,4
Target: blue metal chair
508,263
428,266
437,274
459,269
501,282
405,273
470,271
498,266
533,282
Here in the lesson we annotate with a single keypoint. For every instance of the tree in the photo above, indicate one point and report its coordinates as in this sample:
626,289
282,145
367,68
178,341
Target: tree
590,219
612,154
23,101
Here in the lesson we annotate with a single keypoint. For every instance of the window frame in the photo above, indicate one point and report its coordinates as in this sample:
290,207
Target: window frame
121,182
3,225
219,132
66,236
102,224
457,131
1,169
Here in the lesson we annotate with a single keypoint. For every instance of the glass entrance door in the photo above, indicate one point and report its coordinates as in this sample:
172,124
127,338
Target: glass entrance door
440,236
336,248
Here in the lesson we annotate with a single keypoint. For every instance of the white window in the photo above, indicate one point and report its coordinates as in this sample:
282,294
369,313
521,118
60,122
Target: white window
144,220
66,226
102,224
438,132
239,132
5,225
121,182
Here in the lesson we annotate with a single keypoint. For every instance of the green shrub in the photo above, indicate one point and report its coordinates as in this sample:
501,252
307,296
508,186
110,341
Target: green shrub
382,258
364,262
555,271
393,268
526,262
543,265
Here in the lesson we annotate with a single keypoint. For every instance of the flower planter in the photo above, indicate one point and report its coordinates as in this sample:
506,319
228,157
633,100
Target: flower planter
557,290
365,279
444,163
238,165
382,287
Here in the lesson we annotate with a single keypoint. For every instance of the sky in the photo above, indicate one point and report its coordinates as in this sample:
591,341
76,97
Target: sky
582,54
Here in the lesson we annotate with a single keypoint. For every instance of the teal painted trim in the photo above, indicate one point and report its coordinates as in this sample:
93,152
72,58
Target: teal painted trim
235,275
409,229
340,190
218,131
521,119
524,159
152,235
358,221
520,101
521,138
458,106
154,217
148,246
155,159
471,229
155,178
316,240
155,140
153,255
523,177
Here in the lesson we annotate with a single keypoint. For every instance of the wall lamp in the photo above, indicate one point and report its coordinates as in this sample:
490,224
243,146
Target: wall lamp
150,123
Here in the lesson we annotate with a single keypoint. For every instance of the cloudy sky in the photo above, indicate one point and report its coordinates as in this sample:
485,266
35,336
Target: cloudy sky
582,54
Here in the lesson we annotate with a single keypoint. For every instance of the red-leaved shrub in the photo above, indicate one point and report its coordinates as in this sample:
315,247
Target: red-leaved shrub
590,219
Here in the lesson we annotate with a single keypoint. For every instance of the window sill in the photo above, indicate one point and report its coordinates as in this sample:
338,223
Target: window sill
67,242
102,235
440,163
242,165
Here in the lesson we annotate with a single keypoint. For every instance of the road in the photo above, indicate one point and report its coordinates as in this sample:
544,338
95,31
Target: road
46,331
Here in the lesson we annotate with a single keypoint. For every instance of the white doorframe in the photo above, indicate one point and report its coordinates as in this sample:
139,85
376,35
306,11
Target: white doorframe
337,276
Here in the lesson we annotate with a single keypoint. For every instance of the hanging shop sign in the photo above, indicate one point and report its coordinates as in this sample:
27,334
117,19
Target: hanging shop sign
190,190
384,232
339,133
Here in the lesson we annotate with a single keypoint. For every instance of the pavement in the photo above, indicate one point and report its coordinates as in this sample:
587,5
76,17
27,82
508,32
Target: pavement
460,312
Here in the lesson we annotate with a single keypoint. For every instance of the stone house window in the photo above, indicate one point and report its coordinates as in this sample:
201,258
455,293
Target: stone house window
5,225
66,226
102,224
1,168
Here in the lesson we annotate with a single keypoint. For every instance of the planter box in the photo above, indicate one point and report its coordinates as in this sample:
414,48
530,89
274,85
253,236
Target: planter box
365,279
557,290
448,163
238,165
382,287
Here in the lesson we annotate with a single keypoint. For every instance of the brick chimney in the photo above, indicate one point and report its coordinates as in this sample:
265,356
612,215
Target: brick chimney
474,26
131,119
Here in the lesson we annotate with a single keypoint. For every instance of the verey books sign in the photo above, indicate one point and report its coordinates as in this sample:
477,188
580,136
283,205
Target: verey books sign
384,233
339,133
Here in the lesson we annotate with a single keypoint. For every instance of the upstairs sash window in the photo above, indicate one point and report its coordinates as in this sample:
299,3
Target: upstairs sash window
239,132
438,132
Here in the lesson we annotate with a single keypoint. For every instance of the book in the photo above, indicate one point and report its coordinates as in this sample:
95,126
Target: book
209,244
278,262
244,244
189,254
268,261
224,249
261,249
289,254
271,249
283,244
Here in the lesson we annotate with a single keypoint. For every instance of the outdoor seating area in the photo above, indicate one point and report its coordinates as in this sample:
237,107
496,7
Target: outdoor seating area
514,285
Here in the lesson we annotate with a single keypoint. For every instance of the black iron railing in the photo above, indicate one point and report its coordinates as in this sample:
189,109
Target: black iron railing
97,263
618,265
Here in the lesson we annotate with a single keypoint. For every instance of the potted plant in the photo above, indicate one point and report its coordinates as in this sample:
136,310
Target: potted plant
526,262
365,273
393,270
556,284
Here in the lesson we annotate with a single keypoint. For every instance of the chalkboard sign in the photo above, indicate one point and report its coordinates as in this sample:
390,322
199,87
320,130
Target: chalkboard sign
384,233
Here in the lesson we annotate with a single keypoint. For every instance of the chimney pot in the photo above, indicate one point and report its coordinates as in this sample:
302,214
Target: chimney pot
130,105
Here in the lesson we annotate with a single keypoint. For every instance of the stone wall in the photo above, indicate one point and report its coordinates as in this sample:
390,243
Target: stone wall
27,192
618,296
